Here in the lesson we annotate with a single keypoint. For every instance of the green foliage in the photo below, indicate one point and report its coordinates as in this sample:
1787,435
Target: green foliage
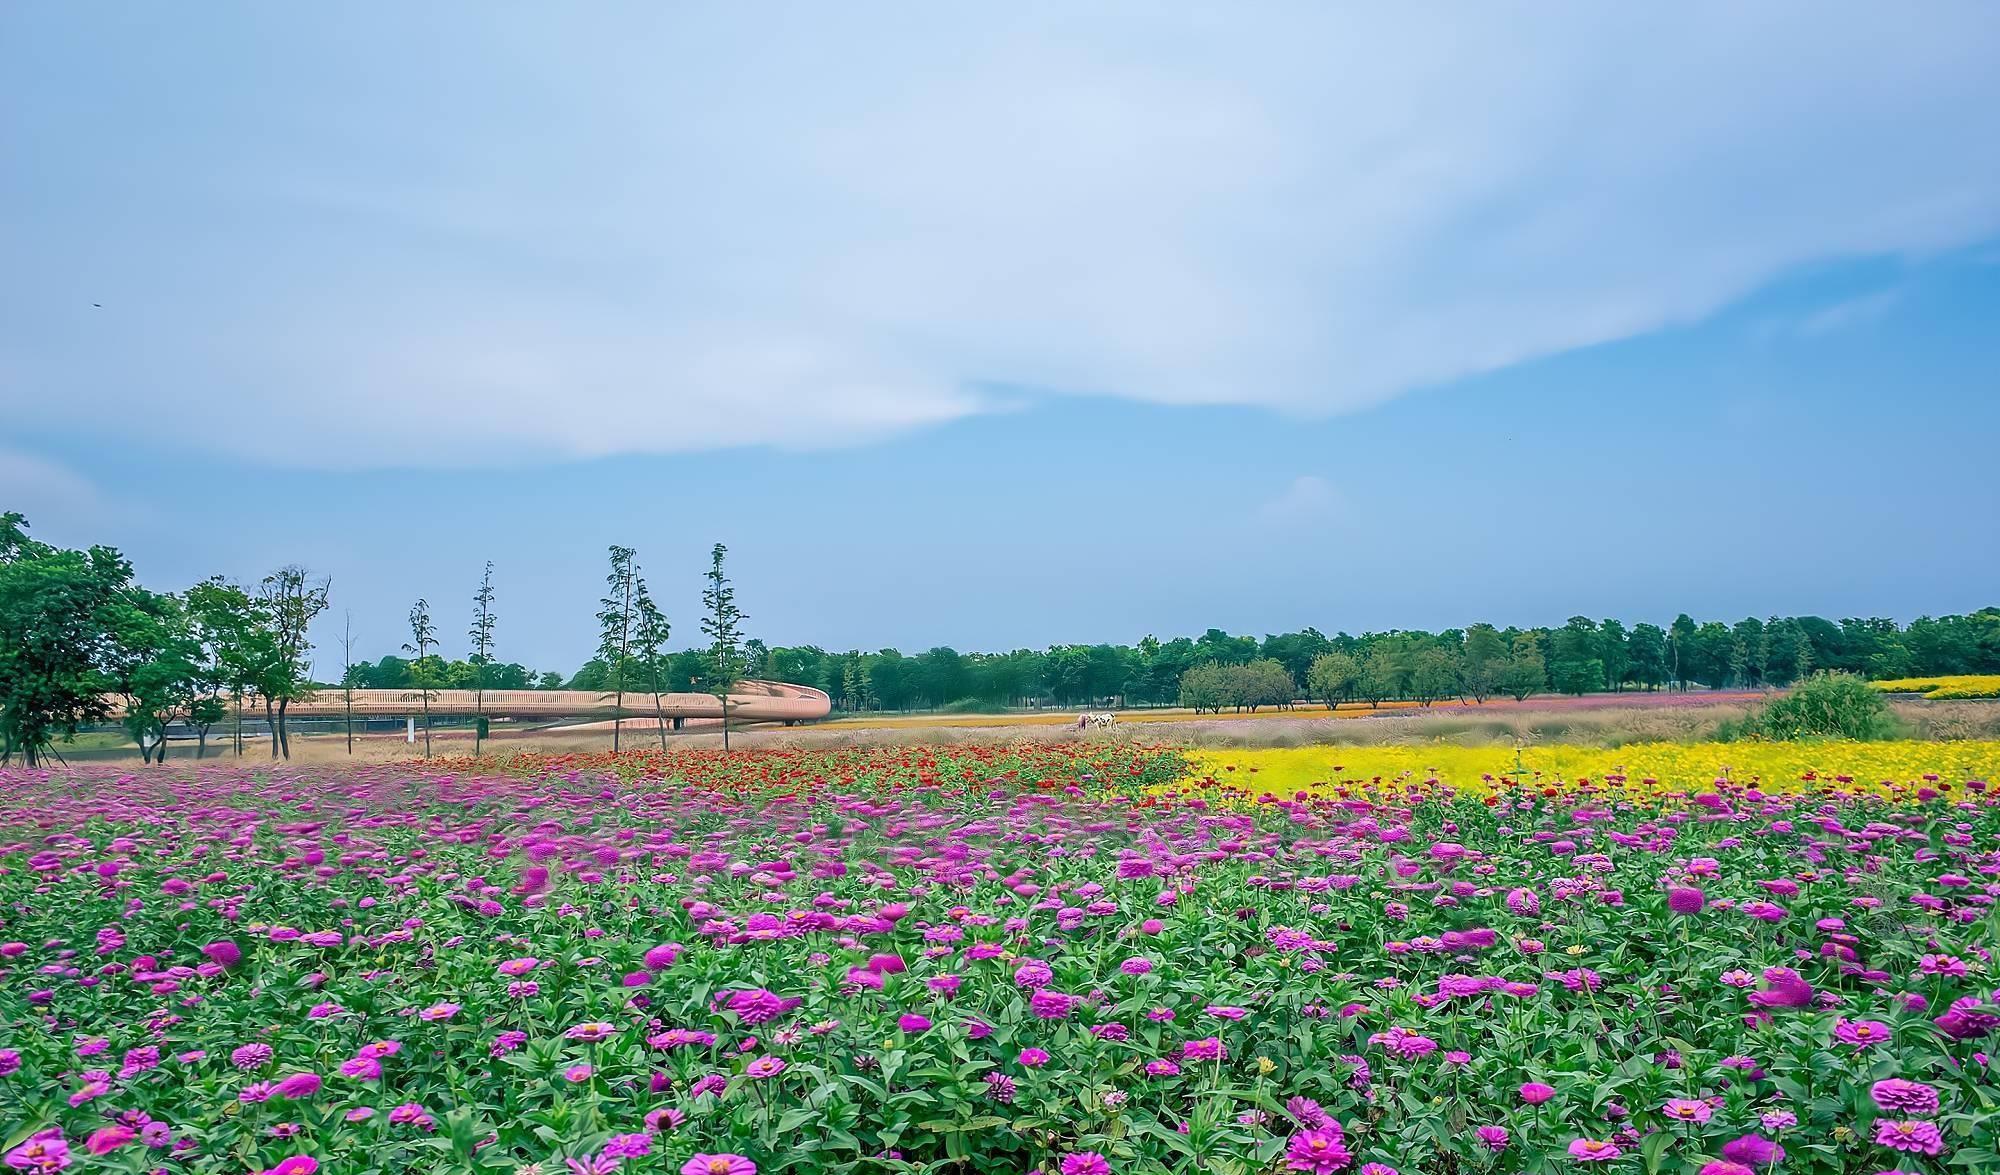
1212,686
55,636
1825,705
1332,677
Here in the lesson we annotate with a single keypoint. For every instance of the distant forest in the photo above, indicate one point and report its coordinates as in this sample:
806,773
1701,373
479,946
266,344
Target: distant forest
1582,656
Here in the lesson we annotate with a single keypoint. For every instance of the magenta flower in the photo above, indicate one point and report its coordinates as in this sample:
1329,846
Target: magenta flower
718,1165
1535,1093
1685,899
1085,1163
1895,1095
1753,1150
1319,1152
1910,1136
1860,1033
1590,1150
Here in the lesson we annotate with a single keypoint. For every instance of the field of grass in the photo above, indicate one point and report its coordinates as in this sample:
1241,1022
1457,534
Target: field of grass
1947,688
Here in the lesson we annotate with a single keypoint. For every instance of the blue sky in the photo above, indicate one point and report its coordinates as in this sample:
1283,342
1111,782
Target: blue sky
1058,325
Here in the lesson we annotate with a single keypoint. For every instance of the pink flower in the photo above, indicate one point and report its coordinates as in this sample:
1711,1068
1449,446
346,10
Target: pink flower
1085,1163
298,1085
1911,1136
1860,1033
1685,899
106,1139
1753,1150
296,1165
1535,1093
1493,1138
718,1165
1032,1058
1896,1095
1590,1150
1318,1151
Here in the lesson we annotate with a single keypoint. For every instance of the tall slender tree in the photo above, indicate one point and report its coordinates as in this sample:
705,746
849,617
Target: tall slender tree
347,675
615,633
291,600
423,634
723,625
482,652
649,646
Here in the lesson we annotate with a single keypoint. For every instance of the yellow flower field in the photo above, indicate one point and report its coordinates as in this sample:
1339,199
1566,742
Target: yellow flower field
1773,766
1949,686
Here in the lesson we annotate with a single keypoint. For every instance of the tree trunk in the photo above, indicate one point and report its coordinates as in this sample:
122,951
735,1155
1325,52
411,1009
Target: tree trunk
271,721
284,727
427,724
725,723
160,751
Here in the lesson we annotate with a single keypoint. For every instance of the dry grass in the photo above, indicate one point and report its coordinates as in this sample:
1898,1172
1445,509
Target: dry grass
1602,726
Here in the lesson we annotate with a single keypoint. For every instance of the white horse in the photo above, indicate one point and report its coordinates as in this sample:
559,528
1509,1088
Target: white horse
1100,721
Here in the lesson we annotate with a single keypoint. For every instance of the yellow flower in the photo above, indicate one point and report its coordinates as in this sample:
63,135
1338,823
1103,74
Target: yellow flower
1266,1065
1574,950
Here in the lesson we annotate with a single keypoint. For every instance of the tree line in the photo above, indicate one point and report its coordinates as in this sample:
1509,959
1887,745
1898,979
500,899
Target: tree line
1477,662
76,630
78,634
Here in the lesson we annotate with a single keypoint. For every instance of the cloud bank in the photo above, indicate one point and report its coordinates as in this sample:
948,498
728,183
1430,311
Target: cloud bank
496,235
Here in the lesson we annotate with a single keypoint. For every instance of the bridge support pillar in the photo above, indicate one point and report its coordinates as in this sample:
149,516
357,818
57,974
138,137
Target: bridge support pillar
410,729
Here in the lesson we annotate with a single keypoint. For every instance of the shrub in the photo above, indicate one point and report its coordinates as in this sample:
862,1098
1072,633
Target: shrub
1825,705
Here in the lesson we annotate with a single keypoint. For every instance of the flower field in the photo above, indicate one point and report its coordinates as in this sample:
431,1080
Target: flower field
1950,686
1075,959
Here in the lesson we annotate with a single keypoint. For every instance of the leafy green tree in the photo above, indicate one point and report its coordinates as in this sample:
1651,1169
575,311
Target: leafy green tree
155,664
238,637
1484,661
481,634
1574,667
1527,673
1332,677
1205,688
1681,651
53,638
1647,647
614,643
424,671
1614,652
722,623
1434,674
1382,673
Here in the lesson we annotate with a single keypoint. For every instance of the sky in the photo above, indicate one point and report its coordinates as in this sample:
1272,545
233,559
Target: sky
1006,328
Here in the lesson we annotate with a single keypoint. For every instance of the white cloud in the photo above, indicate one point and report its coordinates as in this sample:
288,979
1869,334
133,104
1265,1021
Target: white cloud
1853,312
1307,500
685,229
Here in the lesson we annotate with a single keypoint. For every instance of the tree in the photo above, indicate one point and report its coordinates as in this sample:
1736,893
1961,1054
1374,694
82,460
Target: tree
1574,666
423,634
53,638
1483,661
155,665
481,633
1332,677
289,601
614,642
1383,672
1433,675
723,625
1205,687
1614,651
1526,673
347,675
1680,651
1647,647
237,632
649,642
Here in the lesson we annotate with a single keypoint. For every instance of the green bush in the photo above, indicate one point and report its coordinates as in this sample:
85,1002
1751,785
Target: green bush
1825,705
